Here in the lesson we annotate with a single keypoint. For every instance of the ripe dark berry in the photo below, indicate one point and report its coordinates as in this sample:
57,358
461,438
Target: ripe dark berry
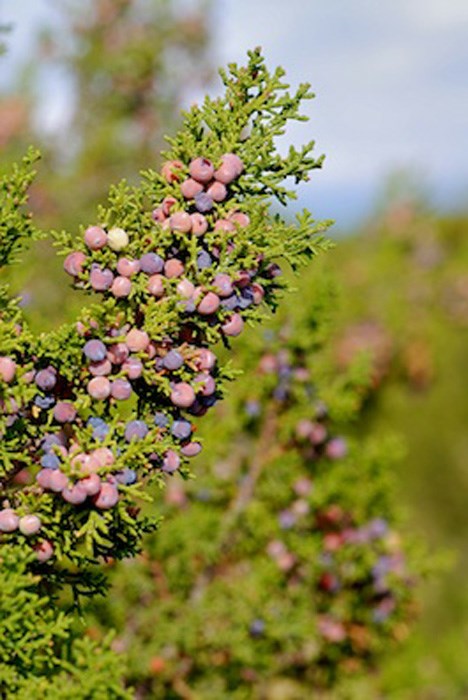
203,202
95,350
173,360
151,263
181,429
136,430
204,260
161,420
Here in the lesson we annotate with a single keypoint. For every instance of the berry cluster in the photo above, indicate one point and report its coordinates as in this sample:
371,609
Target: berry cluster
96,409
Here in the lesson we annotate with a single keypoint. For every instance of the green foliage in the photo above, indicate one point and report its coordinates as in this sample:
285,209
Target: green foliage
263,581
42,655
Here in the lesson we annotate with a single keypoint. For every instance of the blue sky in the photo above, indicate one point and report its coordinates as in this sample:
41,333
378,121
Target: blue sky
390,77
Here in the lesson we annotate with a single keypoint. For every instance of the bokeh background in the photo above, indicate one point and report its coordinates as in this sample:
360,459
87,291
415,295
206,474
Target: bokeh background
96,85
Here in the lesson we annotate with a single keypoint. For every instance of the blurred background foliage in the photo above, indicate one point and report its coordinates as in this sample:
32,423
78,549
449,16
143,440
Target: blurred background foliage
402,281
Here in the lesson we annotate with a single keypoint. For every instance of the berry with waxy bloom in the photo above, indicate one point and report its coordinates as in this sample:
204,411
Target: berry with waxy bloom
182,395
171,462
117,239
190,188
101,280
201,170
64,412
181,429
99,388
209,304
155,285
137,340
205,384
127,267
7,369
43,478
75,494
223,284
199,224
107,497
181,221
224,225
103,457
121,389
8,520
204,260
258,293
95,350
203,202
230,168
133,368
239,218
73,263
44,551
100,369
336,448
121,287
57,481
29,524
217,191
205,359
91,484
151,263
161,420
118,353
173,360
173,268
233,326
136,430
167,204
191,449
185,288
126,476
95,237
171,170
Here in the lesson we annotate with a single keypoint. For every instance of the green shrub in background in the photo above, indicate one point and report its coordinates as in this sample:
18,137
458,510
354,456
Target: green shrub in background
281,570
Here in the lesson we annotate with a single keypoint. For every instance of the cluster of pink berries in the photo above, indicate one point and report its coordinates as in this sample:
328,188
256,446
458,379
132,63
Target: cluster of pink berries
175,373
